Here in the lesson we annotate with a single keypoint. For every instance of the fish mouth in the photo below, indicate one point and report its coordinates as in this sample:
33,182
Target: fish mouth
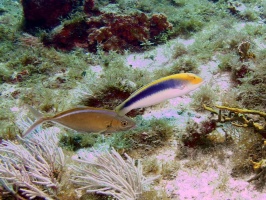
132,127
196,86
199,84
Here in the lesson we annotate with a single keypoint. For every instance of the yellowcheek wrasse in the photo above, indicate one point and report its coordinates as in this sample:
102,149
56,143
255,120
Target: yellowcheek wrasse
160,90
86,119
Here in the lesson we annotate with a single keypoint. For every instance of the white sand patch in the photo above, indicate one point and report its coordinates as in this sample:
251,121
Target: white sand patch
205,178
97,69
260,43
157,58
209,184
15,109
209,69
166,155
186,43
6,89
150,61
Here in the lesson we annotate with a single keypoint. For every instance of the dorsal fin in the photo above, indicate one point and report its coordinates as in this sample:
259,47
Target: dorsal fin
36,113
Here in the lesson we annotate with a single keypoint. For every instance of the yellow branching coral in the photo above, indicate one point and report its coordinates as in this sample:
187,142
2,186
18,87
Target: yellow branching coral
238,117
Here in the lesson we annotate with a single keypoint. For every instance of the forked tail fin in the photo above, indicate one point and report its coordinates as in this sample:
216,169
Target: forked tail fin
34,126
40,119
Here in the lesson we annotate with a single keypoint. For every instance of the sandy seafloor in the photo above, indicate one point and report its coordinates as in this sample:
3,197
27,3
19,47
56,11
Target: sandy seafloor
201,175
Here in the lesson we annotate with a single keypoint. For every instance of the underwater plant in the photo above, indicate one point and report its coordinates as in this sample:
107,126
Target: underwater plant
252,89
205,95
33,168
36,167
109,174
150,134
72,141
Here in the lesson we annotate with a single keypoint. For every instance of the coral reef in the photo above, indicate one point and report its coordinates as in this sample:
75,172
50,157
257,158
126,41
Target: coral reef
89,8
70,36
150,134
243,68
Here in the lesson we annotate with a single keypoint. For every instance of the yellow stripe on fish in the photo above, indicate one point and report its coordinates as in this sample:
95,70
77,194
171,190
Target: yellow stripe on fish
87,119
160,90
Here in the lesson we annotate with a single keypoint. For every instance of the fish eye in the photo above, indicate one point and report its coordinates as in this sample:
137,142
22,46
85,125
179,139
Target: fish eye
124,123
191,76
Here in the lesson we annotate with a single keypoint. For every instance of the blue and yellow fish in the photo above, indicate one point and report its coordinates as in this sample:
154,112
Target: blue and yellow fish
160,90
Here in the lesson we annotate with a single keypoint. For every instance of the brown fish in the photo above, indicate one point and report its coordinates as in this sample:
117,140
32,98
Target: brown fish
86,119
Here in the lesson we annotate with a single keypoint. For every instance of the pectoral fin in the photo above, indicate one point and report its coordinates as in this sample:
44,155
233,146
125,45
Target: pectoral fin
108,125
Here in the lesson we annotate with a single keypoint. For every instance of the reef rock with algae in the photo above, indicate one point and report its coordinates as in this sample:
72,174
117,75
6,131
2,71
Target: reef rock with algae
89,27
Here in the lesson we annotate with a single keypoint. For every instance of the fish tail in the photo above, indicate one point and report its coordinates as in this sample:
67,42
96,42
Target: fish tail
34,126
39,121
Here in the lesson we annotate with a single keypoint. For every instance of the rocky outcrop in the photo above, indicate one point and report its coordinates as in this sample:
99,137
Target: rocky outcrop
108,30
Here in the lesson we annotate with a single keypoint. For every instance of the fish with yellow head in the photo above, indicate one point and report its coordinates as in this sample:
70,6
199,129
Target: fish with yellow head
160,90
85,119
